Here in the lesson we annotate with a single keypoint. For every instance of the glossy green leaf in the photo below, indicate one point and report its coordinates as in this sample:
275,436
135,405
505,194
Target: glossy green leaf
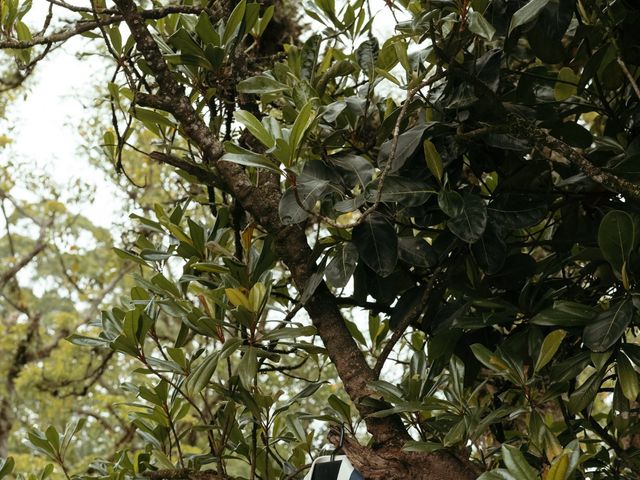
608,326
405,191
549,347
627,377
450,202
255,127
480,26
516,464
242,156
366,55
498,474
417,252
247,369
566,314
261,84
377,244
233,23
6,466
585,393
408,143
303,121
470,223
527,13
341,267
296,204
206,30
617,237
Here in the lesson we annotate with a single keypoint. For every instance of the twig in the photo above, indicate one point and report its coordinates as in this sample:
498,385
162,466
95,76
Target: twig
627,74
412,314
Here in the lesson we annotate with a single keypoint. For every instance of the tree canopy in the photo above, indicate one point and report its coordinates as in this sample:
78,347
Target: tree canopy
429,241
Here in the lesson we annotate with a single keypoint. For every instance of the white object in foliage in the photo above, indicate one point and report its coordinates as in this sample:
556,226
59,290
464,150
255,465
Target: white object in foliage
346,472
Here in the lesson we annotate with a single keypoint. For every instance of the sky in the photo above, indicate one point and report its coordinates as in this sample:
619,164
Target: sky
47,125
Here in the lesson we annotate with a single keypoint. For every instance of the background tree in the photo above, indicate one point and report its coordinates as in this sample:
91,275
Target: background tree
485,223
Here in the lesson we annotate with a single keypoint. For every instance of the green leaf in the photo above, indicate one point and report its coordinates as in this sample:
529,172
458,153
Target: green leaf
199,377
242,156
289,332
450,202
82,341
358,170
302,123
490,251
261,84
617,237
407,144
255,127
516,463
130,256
206,31
405,191
341,267
527,13
470,224
342,408
377,244
366,55
498,474
480,26
517,210
6,466
233,24
584,395
456,434
151,116
422,447
559,469
434,161
294,210
627,377
565,314
247,369
549,347
608,327
417,252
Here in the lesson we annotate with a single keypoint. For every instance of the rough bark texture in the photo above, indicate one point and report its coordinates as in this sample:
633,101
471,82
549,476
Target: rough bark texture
292,248
395,464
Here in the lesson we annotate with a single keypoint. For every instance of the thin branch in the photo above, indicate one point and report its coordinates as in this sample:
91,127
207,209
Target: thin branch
627,74
83,26
410,316
23,262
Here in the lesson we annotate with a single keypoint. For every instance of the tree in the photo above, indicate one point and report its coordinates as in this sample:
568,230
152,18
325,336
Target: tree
486,224
58,269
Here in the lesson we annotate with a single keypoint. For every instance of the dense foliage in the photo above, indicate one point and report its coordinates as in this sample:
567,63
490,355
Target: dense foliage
454,207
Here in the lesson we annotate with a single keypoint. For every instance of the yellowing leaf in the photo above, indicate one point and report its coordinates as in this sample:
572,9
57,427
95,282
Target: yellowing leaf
256,296
566,84
558,470
237,297
549,348
434,161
